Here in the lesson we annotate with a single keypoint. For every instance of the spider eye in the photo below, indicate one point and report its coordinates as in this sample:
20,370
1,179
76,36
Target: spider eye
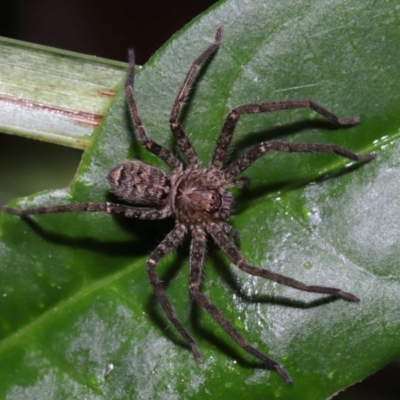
214,202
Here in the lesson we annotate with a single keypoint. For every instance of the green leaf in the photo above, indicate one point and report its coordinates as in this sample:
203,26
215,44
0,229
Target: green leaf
54,95
74,291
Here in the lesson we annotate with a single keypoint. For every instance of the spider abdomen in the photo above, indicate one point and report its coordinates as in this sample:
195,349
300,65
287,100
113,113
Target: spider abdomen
139,183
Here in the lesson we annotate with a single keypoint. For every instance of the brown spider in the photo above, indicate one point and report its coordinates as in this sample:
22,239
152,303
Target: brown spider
197,198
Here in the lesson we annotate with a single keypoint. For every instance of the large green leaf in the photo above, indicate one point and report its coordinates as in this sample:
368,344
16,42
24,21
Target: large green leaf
74,292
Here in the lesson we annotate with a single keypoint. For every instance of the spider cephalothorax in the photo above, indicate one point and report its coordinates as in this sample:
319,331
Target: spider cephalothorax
198,198
201,197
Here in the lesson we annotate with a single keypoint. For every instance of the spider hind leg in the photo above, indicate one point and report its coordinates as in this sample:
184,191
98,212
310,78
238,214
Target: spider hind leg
197,254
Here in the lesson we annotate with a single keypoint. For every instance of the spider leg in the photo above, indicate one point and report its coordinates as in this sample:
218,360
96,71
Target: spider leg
230,231
169,243
182,140
232,252
160,151
109,208
225,137
241,183
197,252
256,152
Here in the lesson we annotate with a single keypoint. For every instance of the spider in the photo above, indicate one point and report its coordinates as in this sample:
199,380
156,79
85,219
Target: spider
198,198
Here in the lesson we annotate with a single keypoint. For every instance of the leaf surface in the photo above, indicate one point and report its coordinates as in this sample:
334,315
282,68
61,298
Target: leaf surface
74,293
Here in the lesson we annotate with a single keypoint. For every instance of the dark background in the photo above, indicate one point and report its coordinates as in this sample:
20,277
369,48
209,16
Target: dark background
93,27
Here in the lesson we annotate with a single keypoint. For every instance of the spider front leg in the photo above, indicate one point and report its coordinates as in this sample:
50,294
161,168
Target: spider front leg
225,137
182,140
232,252
168,244
197,252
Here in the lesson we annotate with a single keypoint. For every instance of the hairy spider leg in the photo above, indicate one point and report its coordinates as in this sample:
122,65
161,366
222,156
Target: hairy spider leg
247,159
183,141
230,231
109,208
161,152
197,251
234,255
225,137
168,244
